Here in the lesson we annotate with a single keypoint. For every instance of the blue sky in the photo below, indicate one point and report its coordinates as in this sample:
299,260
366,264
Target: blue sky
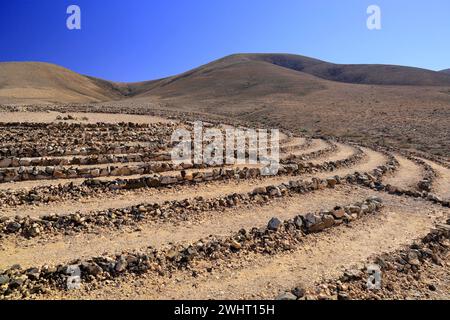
137,40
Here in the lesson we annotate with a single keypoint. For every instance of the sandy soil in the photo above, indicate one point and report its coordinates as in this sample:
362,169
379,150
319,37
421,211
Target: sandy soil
407,176
323,255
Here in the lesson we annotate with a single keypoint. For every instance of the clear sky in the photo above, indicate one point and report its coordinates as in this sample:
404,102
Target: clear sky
133,40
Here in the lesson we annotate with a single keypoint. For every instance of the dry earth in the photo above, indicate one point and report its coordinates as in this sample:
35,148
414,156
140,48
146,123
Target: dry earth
367,201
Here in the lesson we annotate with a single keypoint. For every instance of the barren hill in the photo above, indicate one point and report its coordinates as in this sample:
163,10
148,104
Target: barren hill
30,82
281,73
234,75
93,208
404,106
352,73
248,74
446,71
387,104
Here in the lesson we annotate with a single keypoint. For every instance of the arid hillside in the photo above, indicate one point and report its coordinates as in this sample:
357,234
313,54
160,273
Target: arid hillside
247,74
390,105
36,82
268,89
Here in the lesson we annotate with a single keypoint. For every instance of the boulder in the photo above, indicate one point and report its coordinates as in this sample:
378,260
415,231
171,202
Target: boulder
4,279
286,296
299,292
4,163
121,264
298,221
338,213
165,180
13,227
274,224
259,190
92,268
331,182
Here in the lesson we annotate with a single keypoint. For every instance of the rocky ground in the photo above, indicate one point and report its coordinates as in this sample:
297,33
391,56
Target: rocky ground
93,209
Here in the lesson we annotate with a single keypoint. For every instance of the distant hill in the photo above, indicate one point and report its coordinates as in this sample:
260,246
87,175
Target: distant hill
446,71
239,75
353,73
233,76
31,82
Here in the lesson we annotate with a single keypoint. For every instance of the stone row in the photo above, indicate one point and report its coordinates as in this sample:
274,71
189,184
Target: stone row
69,126
312,155
171,210
441,161
24,151
59,172
429,176
43,194
373,180
306,145
175,210
12,136
400,269
87,160
277,236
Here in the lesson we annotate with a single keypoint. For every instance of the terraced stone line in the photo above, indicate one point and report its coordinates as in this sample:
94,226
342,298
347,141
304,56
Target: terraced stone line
60,172
34,132
429,177
352,160
45,194
277,237
443,162
402,271
67,139
427,182
181,117
304,146
24,151
98,125
118,109
77,139
21,133
429,173
53,169
374,181
115,157
312,155
14,162
168,211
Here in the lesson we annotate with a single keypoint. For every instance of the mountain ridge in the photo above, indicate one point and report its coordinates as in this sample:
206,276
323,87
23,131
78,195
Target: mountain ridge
250,73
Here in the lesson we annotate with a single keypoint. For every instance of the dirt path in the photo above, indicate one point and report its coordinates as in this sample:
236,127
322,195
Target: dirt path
344,151
209,190
323,255
294,142
374,159
317,144
441,186
407,176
